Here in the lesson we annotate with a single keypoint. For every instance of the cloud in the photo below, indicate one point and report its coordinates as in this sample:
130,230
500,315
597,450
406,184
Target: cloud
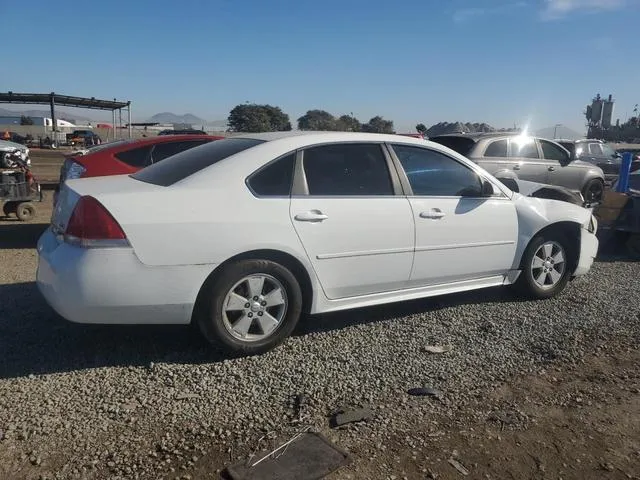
467,14
555,9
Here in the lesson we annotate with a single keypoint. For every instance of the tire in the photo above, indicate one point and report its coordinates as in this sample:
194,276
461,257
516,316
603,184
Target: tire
25,211
532,277
238,329
8,208
593,190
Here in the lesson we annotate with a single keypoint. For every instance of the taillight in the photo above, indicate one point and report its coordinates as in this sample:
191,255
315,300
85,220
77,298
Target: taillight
91,225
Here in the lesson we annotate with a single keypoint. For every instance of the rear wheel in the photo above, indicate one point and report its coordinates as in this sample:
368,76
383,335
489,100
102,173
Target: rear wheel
25,211
545,267
250,306
593,190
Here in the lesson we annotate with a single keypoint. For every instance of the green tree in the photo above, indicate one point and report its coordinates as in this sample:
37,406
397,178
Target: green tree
348,123
24,120
254,118
421,128
318,120
378,125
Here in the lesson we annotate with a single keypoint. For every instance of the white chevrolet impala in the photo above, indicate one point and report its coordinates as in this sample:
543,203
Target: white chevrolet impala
246,234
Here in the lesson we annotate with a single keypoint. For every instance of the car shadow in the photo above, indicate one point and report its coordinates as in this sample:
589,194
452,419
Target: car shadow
35,340
361,316
15,234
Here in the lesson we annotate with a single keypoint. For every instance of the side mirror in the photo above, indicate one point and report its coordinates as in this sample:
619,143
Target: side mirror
487,188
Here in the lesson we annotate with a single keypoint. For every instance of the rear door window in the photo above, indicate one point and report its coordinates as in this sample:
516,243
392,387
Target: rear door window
166,149
524,148
347,170
136,157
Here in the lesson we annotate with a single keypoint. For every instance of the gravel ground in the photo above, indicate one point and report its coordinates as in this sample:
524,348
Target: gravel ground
156,402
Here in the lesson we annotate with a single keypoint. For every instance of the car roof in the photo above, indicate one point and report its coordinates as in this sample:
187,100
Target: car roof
173,138
304,136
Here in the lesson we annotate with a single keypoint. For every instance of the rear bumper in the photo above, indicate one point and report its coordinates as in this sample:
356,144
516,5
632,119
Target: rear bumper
112,286
588,252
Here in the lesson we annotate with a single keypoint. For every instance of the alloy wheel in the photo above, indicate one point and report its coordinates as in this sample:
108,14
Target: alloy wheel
254,307
548,265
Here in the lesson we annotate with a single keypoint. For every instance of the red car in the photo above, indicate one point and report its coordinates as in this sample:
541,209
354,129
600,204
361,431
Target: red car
127,156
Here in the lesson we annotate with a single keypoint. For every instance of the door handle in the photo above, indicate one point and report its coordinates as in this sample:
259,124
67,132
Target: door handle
434,213
311,216
551,169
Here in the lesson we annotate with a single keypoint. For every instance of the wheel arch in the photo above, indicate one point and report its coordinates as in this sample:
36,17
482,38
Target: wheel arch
287,260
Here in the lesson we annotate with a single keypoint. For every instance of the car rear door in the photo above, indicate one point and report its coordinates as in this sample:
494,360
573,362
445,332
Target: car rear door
354,223
561,170
460,235
528,164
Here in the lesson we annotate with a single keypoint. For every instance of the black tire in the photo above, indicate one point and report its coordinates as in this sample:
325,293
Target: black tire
593,190
527,284
212,320
8,208
25,211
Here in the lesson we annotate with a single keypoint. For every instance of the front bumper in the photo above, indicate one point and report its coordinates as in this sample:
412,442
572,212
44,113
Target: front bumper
112,286
588,251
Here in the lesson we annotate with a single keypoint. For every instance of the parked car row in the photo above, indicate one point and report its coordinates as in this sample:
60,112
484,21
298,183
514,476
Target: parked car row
513,155
244,235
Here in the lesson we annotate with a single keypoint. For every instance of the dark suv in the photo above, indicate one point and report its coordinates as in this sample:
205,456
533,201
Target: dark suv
514,155
597,153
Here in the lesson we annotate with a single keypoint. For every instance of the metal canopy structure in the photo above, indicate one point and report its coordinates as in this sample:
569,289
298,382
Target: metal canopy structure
52,99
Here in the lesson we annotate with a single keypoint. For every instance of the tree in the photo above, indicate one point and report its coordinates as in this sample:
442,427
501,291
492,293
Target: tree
348,123
421,128
254,118
378,125
318,120
24,120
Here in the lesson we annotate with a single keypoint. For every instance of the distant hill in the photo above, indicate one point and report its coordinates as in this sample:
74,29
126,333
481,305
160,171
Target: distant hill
444,128
168,117
560,132
61,114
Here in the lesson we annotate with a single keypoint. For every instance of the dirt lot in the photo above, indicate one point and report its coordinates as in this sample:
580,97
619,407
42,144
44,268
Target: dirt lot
45,164
529,389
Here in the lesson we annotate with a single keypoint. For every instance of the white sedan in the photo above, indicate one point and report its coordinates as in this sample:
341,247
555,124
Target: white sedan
246,234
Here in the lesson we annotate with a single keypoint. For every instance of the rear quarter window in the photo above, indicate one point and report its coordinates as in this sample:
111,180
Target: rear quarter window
186,163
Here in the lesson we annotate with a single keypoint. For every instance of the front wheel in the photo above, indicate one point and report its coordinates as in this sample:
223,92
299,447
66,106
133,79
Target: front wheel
250,306
593,190
545,267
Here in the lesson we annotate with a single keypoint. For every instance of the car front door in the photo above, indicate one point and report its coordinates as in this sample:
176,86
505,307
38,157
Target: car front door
354,223
561,169
460,234
523,150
